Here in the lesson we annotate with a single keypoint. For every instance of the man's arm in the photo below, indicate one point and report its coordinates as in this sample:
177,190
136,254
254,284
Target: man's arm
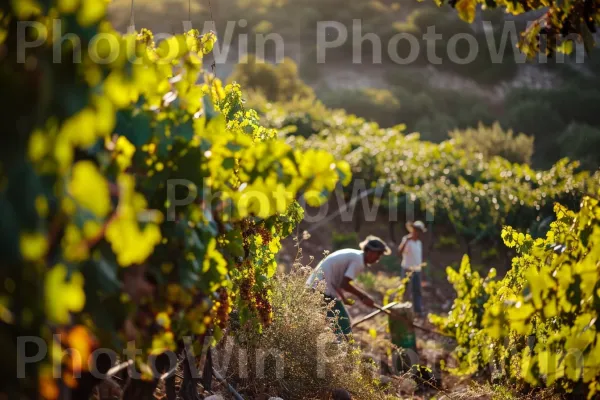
363,296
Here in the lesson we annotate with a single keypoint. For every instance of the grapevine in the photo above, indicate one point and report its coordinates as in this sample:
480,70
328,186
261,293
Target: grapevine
537,325
562,24
98,246
477,197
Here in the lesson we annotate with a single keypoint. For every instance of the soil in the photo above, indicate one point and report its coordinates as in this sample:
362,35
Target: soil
437,293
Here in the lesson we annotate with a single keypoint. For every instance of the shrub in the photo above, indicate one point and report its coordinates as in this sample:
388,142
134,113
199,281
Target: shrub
575,104
493,141
481,68
435,128
343,240
472,116
538,118
407,78
277,82
419,101
447,241
423,18
537,325
415,104
367,280
576,143
299,117
547,113
377,105
301,338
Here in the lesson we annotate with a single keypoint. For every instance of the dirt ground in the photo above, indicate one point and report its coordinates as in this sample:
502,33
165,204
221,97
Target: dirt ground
437,295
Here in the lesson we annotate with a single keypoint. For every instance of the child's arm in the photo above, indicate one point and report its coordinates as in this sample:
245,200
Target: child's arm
402,245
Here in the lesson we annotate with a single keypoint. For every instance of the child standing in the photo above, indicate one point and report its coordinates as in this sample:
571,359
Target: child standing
411,251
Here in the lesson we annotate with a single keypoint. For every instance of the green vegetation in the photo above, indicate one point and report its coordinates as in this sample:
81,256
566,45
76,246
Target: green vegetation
343,240
562,23
477,195
142,200
98,247
493,141
579,142
375,104
301,343
538,325
409,99
276,82
446,241
563,120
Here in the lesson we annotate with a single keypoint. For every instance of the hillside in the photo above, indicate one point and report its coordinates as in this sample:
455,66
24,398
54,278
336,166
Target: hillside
430,96
159,225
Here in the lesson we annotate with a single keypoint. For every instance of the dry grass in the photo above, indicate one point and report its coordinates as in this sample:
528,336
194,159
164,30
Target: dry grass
478,391
311,363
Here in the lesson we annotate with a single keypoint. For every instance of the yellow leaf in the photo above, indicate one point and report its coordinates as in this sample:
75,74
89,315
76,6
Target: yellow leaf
67,6
38,145
90,189
80,128
24,9
124,150
163,320
466,10
105,116
91,12
33,246
62,296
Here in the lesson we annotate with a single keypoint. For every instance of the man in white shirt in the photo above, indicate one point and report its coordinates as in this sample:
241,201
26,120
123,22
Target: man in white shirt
339,269
411,251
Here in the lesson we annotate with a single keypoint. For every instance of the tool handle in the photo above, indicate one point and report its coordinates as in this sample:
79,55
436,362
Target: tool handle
385,310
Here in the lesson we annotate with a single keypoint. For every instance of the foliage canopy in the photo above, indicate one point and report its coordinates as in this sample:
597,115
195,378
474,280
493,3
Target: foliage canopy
140,200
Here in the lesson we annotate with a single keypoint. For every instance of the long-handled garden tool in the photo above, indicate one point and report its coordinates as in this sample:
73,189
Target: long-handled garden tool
386,309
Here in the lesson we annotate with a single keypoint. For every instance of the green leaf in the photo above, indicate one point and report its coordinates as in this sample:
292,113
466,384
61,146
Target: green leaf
135,126
234,147
106,275
228,163
187,277
185,131
209,109
235,243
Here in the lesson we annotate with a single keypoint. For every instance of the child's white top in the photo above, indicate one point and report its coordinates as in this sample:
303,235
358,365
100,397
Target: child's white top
412,255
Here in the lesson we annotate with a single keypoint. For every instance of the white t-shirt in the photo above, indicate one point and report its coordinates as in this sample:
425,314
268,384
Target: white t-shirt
412,255
333,269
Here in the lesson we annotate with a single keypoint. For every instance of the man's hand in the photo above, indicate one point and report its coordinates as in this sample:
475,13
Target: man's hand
363,296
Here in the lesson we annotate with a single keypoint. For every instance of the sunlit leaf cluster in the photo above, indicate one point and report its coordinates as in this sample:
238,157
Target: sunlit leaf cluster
562,26
477,195
139,199
539,324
